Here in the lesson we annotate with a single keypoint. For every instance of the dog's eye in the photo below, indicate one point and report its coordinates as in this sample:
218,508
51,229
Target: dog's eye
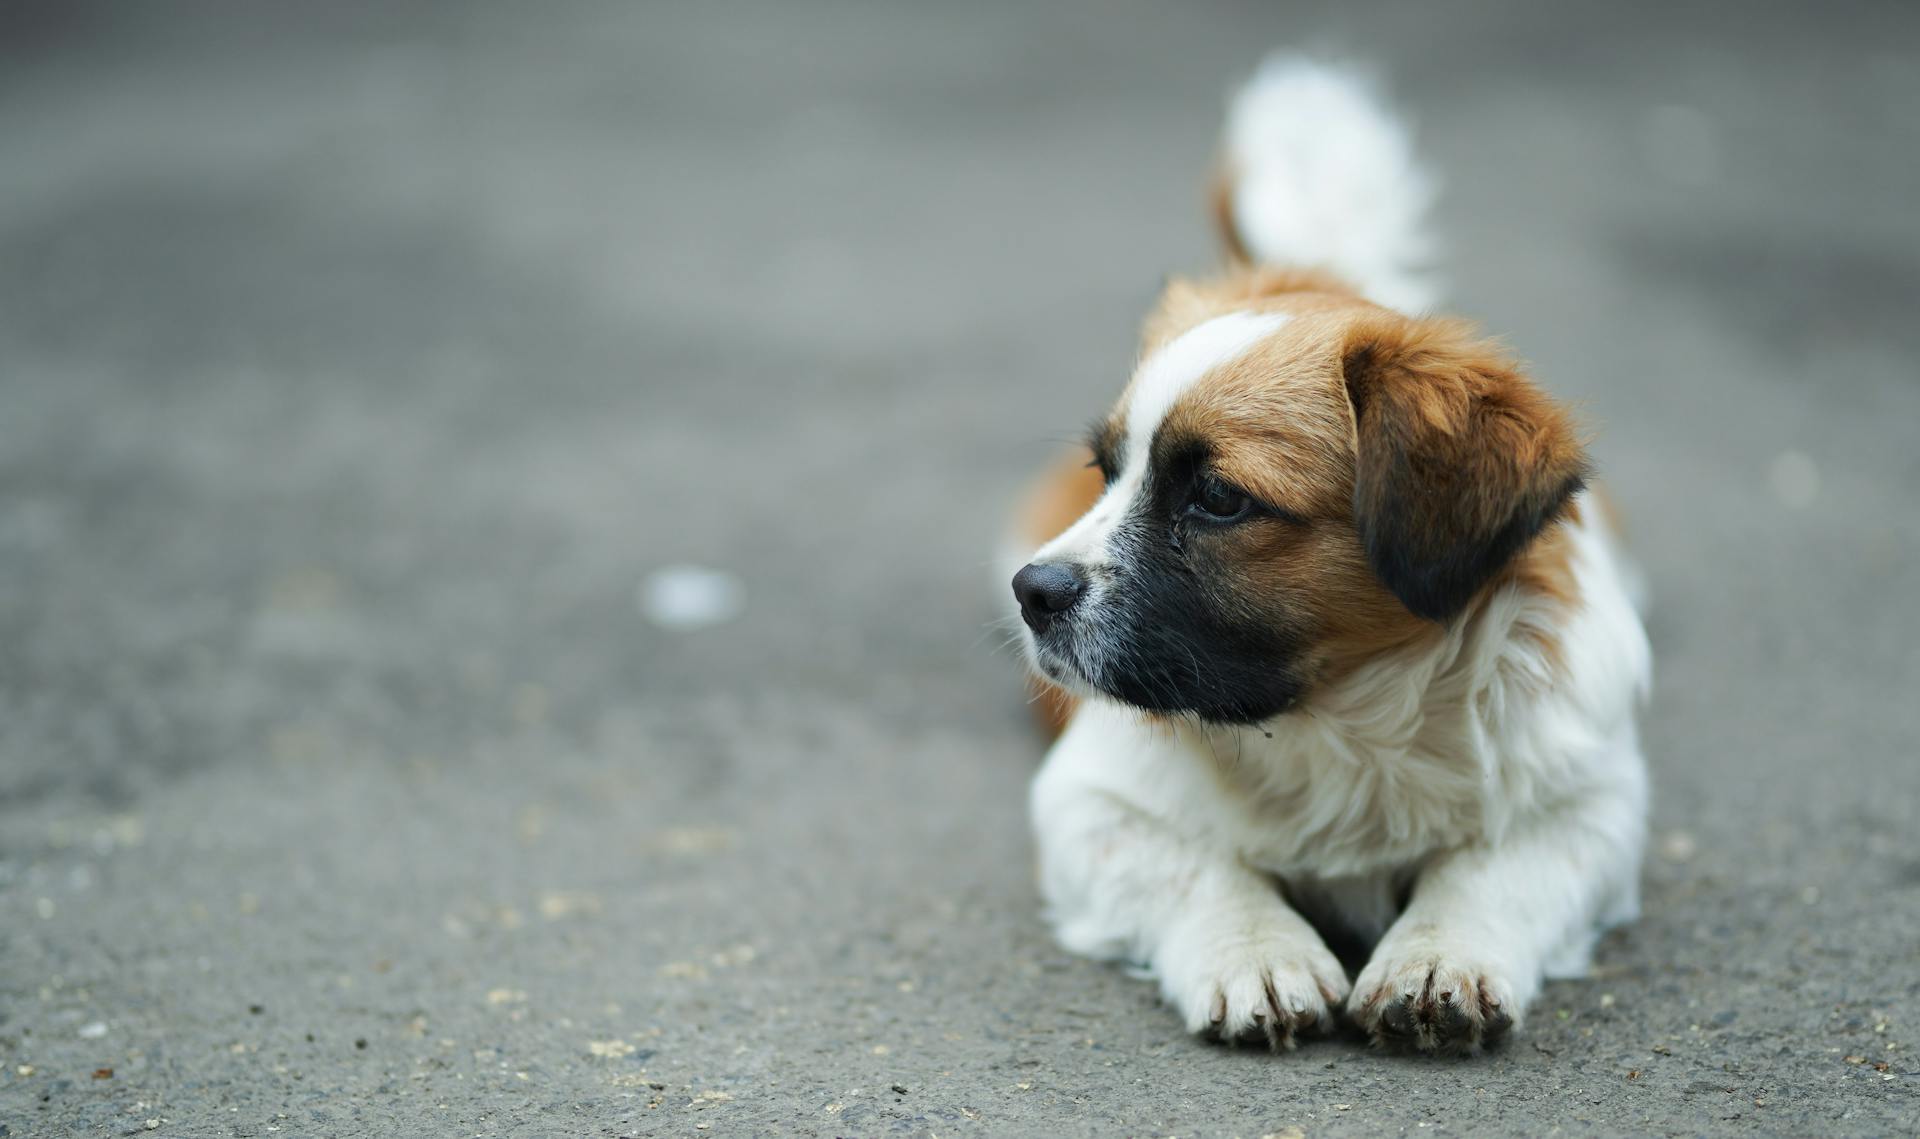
1219,501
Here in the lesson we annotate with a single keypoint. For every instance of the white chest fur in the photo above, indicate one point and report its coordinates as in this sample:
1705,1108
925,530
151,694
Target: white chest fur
1444,748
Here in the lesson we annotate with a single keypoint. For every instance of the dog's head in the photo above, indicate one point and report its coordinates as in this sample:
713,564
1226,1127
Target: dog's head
1293,485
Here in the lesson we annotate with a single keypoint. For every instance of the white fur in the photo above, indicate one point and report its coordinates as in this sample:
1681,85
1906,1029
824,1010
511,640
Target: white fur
1161,379
1324,174
1508,791
1474,807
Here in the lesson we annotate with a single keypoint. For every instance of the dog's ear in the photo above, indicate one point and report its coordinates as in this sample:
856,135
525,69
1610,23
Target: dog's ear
1459,459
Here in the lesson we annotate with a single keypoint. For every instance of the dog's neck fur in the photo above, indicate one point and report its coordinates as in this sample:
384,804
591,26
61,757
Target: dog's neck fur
1434,745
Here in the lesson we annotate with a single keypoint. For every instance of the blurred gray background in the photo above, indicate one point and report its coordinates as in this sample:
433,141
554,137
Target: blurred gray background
360,366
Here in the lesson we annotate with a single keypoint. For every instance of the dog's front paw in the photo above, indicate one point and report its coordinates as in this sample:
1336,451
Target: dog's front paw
1261,981
1433,1001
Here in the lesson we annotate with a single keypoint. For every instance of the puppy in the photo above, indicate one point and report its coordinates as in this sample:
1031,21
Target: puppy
1341,646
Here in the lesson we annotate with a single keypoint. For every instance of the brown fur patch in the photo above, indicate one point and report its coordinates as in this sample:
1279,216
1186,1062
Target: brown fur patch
1461,460
1489,457
1413,465
1187,302
1545,567
1277,424
1058,499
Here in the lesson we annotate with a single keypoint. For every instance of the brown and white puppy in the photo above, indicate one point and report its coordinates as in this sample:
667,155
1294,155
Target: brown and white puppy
1338,643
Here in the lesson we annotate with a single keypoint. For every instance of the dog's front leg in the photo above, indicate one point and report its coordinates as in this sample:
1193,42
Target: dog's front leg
1458,968
1230,955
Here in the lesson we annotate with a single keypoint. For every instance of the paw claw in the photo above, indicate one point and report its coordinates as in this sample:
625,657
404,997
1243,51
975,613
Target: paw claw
1252,990
1432,1006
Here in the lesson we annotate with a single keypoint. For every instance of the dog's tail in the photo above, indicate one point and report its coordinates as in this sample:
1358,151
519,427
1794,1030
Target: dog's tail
1317,171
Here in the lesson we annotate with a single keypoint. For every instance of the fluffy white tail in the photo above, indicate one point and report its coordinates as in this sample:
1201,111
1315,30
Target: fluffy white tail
1319,172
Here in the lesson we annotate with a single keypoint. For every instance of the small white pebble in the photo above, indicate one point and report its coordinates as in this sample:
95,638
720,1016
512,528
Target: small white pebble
610,1049
691,597
93,1031
1678,846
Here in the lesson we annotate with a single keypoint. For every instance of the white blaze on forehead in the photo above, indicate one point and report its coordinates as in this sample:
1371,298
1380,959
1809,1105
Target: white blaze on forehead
1166,375
1158,384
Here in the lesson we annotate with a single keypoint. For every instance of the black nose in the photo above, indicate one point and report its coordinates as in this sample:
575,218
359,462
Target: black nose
1045,592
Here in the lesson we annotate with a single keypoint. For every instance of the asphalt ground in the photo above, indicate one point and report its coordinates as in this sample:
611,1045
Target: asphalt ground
363,367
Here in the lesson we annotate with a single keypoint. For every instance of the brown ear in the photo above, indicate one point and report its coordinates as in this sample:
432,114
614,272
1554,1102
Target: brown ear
1460,459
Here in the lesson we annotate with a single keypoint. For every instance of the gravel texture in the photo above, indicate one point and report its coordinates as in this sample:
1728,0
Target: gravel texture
363,368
